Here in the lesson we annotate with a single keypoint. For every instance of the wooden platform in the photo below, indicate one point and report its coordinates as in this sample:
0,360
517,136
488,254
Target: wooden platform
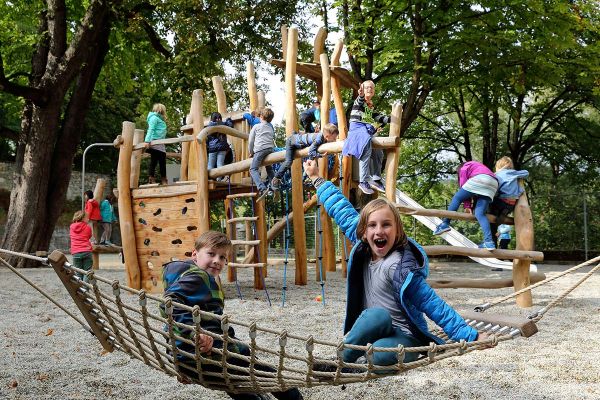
313,71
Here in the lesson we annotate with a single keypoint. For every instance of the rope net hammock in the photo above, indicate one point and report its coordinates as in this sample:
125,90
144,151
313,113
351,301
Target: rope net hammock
129,320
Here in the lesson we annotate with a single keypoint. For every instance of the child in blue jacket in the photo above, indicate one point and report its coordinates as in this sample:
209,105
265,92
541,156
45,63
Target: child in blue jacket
508,192
387,292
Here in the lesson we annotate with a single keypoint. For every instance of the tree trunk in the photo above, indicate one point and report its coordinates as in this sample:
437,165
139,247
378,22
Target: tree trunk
50,133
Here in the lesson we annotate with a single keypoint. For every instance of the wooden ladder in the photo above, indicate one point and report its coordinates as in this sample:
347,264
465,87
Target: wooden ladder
259,259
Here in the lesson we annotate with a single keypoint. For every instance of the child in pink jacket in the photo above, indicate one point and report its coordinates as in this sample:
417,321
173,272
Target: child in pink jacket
81,248
475,181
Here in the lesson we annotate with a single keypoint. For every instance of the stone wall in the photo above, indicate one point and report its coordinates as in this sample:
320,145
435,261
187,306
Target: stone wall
74,191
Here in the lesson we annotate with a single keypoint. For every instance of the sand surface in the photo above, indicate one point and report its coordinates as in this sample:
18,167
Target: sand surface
44,354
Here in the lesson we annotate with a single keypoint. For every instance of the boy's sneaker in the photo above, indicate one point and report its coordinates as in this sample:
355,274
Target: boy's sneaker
365,188
487,246
441,228
275,183
264,193
378,186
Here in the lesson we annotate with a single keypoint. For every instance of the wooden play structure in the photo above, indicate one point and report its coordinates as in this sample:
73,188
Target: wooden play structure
159,223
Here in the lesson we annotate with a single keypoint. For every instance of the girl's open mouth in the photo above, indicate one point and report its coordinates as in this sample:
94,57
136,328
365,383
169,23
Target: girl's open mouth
380,243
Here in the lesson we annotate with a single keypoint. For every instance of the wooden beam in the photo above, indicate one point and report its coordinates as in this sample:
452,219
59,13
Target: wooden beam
136,160
319,44
328,242
480,283
336,88
525,241
261,235
393,155
484,253
251,82
125,212
279,156
291,125
447,214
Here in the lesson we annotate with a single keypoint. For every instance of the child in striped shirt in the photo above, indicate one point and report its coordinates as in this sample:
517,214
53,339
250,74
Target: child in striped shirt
360,133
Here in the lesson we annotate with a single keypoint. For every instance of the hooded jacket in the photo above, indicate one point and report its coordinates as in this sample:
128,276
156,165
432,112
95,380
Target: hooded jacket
412,294
80,234
157,127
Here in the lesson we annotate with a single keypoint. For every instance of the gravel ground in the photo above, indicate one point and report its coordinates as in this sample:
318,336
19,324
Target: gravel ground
44,354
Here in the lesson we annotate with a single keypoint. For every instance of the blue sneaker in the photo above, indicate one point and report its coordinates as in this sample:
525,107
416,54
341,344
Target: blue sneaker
441,228
365,188
487,246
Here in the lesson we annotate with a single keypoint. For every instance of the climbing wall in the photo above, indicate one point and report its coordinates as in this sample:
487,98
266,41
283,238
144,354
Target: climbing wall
165,230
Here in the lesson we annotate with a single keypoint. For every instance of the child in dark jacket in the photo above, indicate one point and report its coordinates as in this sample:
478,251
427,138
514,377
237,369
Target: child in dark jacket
387,293
196,283
299,141
81,248
216,143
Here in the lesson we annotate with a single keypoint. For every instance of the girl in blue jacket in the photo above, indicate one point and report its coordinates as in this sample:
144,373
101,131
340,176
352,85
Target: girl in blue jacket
387,294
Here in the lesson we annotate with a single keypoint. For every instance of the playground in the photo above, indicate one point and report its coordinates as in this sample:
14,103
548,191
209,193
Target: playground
259,310
47,355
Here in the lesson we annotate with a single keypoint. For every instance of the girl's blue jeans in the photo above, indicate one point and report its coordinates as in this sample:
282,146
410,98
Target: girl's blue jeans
479,211
216,159
374,325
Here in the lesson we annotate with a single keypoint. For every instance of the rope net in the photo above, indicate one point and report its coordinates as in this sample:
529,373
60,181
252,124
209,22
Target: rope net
257,359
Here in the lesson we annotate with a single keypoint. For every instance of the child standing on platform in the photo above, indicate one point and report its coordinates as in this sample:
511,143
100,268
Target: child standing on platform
92,209
299,141
475,181
157,129
107,213
360,133
196,282
216,143
260,144
80,234
387,291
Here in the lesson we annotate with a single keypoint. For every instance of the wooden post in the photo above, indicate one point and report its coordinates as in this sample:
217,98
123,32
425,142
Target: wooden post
343,128
251,79
231,234
525,241
136,160
393,156
249,235
125,211
284,41
220,93
261,99
319,44
201,159
326,225
98,192
261,235
197,111
185,149
291,123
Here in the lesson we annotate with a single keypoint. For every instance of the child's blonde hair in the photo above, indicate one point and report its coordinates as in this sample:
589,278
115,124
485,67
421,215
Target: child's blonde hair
377,204
267,114
331,129
504,162
213,239
78,216
160,109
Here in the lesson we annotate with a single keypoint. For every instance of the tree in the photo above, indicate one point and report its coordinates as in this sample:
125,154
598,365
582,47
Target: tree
67,49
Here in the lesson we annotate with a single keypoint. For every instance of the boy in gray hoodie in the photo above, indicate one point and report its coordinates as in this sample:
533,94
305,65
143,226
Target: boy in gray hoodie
260,144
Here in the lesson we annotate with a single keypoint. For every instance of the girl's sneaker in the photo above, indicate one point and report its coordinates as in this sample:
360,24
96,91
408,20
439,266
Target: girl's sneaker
365,188
487,246
378,186
441,228
275,183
